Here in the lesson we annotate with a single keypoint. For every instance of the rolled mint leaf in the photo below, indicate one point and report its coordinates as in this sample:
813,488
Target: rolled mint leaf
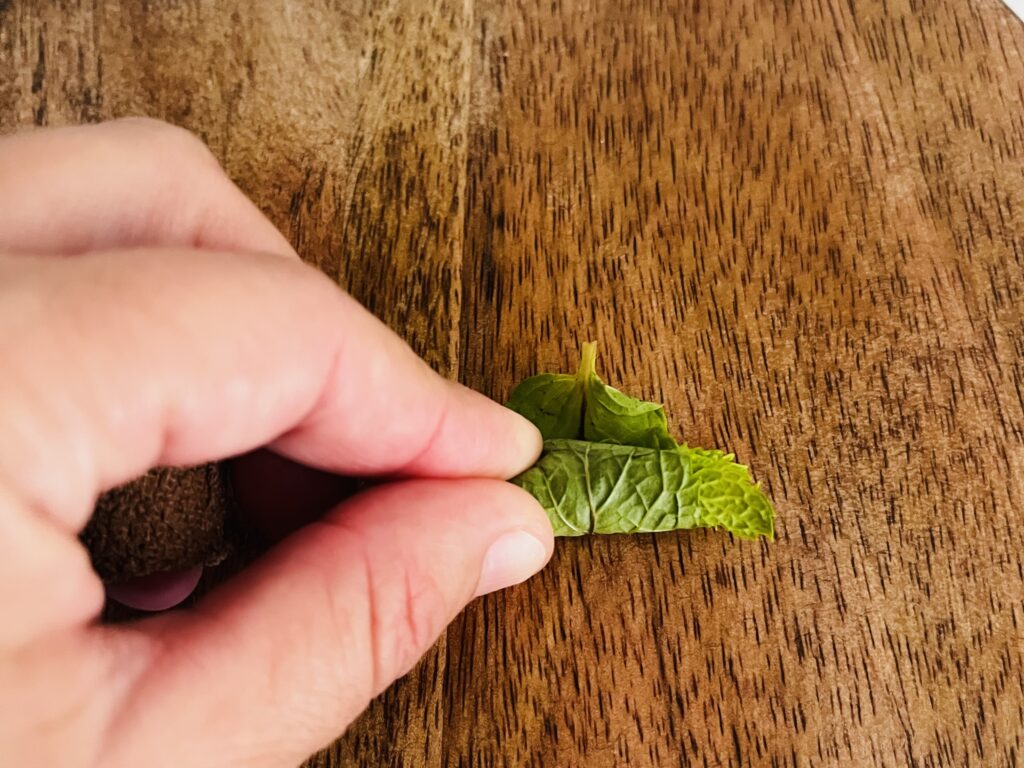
588,487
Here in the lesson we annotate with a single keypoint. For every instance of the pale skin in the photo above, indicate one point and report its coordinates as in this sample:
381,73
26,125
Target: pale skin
151,315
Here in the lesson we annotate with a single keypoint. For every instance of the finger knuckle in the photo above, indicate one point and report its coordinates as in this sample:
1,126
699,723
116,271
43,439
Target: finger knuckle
411,613
391,615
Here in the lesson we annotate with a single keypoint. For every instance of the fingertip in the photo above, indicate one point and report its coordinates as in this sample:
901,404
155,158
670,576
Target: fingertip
478,437
525,547
528,441
518,441
511,501
512,559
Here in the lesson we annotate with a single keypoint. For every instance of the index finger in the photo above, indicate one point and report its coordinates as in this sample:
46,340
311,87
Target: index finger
121,361
123,184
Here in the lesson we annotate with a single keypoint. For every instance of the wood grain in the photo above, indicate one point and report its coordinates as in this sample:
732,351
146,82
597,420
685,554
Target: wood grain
798,223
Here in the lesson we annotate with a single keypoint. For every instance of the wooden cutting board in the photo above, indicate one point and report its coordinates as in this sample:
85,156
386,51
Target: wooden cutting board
799,223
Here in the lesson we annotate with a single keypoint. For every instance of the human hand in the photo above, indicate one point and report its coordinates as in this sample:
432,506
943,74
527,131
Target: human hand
150,315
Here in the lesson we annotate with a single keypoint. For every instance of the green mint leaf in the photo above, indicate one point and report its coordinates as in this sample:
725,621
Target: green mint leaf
611,466
584,407
553,402
615,417
588,487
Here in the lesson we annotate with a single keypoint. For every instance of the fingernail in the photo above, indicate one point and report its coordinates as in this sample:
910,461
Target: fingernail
513,558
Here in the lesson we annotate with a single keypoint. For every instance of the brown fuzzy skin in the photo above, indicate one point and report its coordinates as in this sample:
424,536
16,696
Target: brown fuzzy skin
168,519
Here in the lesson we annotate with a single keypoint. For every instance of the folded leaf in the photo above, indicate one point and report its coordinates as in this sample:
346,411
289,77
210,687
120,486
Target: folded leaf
588,487
584,407
553,402
615,417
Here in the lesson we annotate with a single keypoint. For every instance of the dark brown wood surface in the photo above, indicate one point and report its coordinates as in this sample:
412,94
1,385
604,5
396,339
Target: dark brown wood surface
800,223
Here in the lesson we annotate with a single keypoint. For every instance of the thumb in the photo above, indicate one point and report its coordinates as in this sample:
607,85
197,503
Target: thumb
276,663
